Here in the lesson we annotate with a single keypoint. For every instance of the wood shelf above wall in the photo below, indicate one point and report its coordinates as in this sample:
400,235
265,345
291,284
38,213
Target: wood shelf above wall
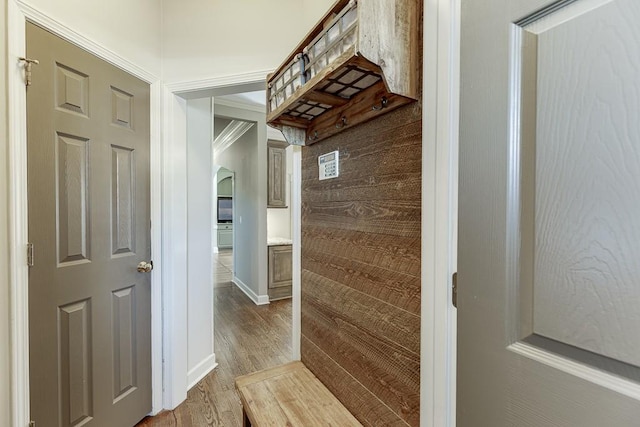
358,62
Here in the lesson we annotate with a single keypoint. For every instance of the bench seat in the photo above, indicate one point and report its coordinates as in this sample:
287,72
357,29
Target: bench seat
290,395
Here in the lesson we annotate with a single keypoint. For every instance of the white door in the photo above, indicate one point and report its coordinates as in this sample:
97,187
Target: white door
549,205
88,171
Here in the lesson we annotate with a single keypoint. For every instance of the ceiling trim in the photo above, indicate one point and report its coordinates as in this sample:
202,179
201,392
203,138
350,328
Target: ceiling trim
259,76
37,17
242,105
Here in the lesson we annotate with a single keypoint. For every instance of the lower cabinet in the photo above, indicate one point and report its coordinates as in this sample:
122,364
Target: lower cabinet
225,236
280,272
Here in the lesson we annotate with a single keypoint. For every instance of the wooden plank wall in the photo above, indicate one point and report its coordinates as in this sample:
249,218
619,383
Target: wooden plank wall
361,268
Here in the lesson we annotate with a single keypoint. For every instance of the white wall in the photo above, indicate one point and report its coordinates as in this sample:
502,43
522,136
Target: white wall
279,219
5,344
200,352
315,9
247,157
212,38
129,28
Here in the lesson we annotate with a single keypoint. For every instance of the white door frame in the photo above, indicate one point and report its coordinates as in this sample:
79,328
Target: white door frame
175,227
18,14
439,211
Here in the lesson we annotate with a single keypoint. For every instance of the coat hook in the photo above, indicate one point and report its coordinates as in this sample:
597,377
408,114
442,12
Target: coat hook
314,137
342,123
383,104
27,69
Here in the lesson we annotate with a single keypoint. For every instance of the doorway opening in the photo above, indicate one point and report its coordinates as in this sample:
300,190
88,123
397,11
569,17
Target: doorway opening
235,328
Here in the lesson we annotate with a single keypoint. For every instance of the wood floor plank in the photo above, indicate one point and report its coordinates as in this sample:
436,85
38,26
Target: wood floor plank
247,338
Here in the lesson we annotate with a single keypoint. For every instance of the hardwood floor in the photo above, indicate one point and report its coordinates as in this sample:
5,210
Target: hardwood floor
223,268
247,338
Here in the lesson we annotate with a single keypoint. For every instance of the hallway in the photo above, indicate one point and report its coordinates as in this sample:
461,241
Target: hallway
247,338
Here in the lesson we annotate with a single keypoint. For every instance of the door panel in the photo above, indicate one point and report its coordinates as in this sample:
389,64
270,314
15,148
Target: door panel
122,200
586,291
548,304
72,194
88,160
76,367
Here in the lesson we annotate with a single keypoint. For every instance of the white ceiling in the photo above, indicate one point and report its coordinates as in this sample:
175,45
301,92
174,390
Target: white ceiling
254,98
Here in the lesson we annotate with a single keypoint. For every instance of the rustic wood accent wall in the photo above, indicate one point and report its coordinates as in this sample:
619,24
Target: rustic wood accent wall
361,268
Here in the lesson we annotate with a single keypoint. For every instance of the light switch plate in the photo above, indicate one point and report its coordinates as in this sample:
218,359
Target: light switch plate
328,165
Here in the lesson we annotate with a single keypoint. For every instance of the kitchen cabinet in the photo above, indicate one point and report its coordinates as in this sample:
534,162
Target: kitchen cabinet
280,272
225,236
277,174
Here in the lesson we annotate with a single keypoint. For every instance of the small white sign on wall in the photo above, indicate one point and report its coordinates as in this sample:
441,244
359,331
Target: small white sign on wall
328,165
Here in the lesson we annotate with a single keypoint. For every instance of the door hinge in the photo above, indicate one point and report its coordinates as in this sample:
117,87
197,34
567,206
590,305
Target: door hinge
454,289
30,254
32,424
28,63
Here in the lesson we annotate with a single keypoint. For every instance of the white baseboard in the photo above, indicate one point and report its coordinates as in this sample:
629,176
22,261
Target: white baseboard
201,370
257,299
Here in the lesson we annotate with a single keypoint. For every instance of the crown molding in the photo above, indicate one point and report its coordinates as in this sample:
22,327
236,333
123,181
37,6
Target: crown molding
219,82
37,17
241,105
230,134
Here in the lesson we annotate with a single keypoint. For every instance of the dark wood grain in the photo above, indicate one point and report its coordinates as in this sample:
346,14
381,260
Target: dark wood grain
248,338
397,289
361,240
371,315
367,341
385,251
385,217
369,409
392,136
356,186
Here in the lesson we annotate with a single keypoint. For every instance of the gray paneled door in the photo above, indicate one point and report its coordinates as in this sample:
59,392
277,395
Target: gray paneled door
549,214
88,161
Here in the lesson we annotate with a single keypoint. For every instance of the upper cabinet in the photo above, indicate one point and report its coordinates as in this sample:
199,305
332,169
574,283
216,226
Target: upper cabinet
359,61
277,174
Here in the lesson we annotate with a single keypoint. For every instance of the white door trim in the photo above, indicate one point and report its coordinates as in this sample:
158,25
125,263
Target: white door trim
174,142
18,14
439,211
18,225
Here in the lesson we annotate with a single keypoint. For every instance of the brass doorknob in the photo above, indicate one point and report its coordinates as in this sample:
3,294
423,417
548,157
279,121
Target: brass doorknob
145,267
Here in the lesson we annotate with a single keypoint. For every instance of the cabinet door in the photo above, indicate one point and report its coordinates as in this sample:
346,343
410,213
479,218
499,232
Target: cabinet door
280,266
225,237
277,171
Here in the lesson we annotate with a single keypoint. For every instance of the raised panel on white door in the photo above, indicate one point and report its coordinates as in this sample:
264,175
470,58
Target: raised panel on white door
76,382
586,192
72,199
122,201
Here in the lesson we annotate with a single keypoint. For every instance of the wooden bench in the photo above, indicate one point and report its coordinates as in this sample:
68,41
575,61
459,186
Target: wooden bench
290,395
